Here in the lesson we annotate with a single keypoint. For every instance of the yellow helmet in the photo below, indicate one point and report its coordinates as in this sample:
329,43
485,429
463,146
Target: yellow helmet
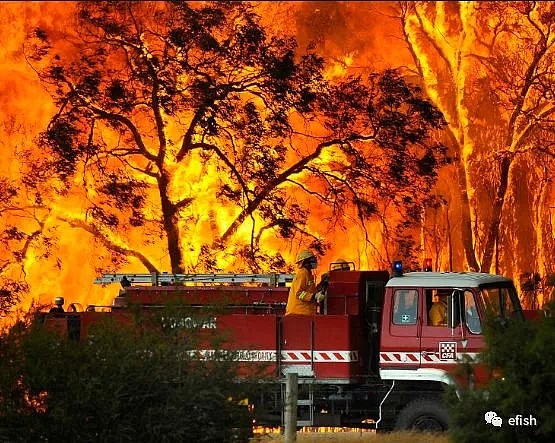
303,255
340,265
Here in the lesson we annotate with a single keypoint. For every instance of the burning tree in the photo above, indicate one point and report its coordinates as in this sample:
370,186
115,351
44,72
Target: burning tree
191,124
488,67
14,242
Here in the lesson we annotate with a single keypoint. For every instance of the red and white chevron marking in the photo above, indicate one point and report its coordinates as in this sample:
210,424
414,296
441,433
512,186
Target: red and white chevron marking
400,357
319,356
417,357
287,357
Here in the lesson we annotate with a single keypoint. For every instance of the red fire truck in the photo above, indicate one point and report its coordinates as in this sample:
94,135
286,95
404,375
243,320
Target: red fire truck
372,357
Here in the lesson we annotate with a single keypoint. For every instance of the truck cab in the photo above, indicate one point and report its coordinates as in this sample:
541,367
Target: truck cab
415,346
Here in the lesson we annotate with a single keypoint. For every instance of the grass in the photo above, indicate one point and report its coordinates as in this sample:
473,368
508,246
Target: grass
356,437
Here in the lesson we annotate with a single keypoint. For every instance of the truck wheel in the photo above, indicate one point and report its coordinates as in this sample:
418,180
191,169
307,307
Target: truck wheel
424,414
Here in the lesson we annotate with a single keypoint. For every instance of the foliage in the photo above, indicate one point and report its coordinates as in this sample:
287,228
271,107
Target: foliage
127,381
157,91
523,353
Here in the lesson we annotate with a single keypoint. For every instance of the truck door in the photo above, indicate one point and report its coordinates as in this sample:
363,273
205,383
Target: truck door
400,346
450,329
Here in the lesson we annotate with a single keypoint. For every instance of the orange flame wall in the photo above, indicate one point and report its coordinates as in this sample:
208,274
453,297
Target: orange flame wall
354,36
27,108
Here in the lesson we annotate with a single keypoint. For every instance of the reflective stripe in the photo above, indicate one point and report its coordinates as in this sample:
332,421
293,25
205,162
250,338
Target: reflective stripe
423,358
303,295
303,356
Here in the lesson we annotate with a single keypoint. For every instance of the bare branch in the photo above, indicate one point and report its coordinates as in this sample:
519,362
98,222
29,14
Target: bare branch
108,243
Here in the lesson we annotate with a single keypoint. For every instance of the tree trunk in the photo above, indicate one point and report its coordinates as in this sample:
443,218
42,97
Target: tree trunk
544,232
449,240
466,222
169,220
493,231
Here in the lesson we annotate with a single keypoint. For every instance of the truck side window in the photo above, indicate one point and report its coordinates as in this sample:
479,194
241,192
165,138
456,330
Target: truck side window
405,306
471,313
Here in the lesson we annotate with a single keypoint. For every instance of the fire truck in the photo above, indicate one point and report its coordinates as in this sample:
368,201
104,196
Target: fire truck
372,357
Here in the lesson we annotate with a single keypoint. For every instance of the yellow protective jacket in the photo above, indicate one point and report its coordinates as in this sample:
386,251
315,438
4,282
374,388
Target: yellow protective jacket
301,294
438,314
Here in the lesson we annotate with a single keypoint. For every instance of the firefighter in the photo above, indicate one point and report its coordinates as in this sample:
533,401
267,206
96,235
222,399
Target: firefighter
304,295
340,265
438,311
59,306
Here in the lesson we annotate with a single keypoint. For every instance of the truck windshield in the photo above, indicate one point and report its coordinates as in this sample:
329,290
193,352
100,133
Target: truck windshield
500,301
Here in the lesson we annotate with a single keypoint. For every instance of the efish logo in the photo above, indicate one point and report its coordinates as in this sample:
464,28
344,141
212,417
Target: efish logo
493,419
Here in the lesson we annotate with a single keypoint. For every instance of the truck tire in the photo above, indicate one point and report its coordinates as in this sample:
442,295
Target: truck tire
424,414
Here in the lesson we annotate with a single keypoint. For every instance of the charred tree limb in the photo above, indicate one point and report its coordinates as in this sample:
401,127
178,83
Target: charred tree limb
106,115
278,180
546,152
531,125
146,171
155,106
20,208
223,91
105,241
129,124
188,137
360,212
320,196
23,252
227,162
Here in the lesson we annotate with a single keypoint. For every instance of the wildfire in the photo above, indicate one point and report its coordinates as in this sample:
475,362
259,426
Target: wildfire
445,46
72,267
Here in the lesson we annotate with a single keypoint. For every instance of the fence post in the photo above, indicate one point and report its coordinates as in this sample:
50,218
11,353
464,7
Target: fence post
291,393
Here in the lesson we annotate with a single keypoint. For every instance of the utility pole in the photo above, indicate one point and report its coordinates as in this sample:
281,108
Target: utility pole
291,394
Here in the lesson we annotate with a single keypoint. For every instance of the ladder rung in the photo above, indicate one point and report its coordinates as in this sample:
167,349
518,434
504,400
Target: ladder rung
305,402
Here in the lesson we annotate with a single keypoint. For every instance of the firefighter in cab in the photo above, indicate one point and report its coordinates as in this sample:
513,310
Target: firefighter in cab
304,295
438,311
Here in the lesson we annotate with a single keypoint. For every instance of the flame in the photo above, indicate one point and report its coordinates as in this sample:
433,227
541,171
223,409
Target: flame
340,67
71,269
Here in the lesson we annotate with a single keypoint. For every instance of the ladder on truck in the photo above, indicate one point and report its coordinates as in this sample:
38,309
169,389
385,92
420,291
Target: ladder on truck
305,402
157,279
